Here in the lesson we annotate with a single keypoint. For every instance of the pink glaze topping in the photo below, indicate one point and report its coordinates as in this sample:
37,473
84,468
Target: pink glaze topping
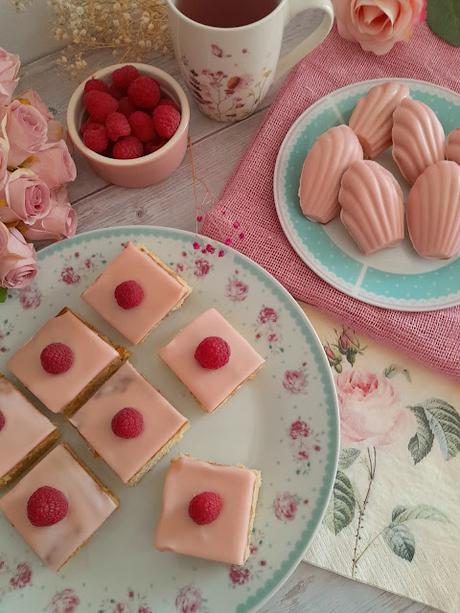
372,118
226,538
89,507
24,428
161,290
91,354
453,146
210,387
331,155
127,388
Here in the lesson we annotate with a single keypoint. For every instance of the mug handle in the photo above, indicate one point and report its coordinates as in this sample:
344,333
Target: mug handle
312,41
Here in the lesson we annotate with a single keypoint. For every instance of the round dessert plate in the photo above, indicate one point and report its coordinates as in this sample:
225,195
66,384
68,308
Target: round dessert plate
284,422
395,278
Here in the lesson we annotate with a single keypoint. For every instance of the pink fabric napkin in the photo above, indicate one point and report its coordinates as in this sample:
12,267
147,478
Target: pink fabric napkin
246,211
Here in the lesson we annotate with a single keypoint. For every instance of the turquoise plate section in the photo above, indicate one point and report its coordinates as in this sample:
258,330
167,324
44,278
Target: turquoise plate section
395,278
284,422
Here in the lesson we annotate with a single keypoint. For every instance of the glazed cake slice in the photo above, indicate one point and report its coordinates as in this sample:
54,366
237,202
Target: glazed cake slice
208,510
79,502
65,362
25,434
129,424
135,292
211,358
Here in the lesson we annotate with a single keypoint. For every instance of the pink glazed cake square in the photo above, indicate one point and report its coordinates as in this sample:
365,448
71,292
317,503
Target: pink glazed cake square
81,505
135,292
130,443
187,526
25,434
223,364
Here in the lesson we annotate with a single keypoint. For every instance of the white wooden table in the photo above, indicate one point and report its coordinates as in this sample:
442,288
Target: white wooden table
216,148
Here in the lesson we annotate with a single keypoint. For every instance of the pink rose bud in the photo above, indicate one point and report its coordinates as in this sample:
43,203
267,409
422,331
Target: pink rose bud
27,197
4,237
61,221
54,165
34,99
9,67
18,264
25,129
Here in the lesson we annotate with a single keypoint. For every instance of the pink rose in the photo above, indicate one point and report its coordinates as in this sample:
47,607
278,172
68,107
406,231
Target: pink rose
9,68
18,264
369,411
54,165
26,131
27,198
377,24
4,237
34,99
60,222
4,148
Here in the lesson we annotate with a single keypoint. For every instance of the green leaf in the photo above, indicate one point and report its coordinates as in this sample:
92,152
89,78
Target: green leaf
341,509
400,540
443,422
3,293
347,457
402,514
443,17
394,369
421,443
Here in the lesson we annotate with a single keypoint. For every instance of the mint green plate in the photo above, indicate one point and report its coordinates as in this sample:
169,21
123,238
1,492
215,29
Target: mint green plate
394,278
284,422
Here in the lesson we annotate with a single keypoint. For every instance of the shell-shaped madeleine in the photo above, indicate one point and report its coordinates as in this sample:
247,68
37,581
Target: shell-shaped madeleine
418,138
332,153
433,211
372,206
372,118
453,146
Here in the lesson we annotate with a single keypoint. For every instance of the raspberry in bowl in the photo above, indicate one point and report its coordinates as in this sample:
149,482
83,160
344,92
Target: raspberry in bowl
130,121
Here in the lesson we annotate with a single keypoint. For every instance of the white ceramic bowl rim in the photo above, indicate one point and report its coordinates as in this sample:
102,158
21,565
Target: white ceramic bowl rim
164,79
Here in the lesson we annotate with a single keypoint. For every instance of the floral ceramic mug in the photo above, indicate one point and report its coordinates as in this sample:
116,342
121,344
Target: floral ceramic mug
230,69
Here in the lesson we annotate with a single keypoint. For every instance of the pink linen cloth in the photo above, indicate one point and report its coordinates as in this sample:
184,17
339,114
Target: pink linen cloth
246,211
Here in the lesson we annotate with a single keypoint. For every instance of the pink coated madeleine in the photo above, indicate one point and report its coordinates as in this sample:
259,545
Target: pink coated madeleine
418,138
453,146
331,155
372,119
433,211
372,206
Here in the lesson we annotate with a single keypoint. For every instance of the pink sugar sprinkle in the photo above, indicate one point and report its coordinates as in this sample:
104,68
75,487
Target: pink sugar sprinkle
228,241
221,253
196,245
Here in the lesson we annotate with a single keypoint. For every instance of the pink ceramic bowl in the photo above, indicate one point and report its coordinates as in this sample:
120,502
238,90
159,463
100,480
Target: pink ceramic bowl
146,170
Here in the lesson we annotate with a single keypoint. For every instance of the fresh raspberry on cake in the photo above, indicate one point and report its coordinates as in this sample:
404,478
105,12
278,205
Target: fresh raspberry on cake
129,294
128,423
212,353
117,126
166,120
99,104
125,106
142,126
95,85
2,421
205,508
144,92
56,358
47,506
127,148
124,76
95,137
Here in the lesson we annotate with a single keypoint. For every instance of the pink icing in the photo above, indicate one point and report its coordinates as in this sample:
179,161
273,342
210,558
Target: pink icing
210,387
162,292
91,355
25,427
89,507
127,388
225,539
453,146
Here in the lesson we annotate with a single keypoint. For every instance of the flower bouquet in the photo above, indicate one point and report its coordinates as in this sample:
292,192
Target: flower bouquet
35,165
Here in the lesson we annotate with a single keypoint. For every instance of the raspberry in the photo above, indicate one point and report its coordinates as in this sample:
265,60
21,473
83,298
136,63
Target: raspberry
47,506
115,92
95,85
144,92
127,148
166,100
205,508
125,106
123,77
95,137
88,124
2,421
128,423
153,146
129,294
99,105
142,126
117,125
212,353
166,120
56,358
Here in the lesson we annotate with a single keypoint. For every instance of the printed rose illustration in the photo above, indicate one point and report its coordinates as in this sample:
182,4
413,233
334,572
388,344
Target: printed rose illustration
299,429
267,315
202,267
64,602
30,297
239,575
190,600
22,577
295,381
285,506
236,290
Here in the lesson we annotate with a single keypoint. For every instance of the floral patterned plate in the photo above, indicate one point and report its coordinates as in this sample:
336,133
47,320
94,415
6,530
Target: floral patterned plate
285,423
394,278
